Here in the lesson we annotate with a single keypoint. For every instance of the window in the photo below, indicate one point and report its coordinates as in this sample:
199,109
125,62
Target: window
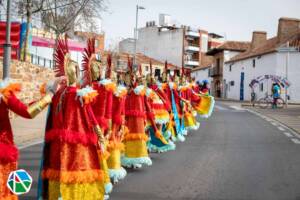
261,87
230,67
253,63
146,68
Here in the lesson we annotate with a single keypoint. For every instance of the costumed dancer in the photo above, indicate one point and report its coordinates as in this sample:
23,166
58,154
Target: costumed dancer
135,154
71,168
190,122
9,152
205,105
175,99
92,73
160,108
115,146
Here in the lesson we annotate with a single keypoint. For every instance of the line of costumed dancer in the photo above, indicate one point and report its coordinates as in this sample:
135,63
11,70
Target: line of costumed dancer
100,123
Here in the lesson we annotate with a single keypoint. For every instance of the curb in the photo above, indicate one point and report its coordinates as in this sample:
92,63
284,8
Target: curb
295,132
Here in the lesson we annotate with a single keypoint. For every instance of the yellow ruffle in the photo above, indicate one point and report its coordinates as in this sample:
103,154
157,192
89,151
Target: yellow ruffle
68,177
114,160
136,149
78,191
136,136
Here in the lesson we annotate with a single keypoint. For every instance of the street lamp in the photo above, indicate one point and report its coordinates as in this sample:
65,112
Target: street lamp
136,31
7,45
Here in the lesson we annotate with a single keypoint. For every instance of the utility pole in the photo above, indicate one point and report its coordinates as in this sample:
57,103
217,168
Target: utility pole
7,45
136,31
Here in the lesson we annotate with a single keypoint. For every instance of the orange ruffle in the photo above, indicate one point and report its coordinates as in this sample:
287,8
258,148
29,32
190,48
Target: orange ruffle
87,176
90,97
136,136
9,197
110,87
11,88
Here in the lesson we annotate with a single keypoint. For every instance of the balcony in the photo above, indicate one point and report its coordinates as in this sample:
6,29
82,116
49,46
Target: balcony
215,71
193,34
193,63
193,48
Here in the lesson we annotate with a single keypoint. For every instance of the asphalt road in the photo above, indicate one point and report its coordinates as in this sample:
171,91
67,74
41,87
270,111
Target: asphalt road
234,155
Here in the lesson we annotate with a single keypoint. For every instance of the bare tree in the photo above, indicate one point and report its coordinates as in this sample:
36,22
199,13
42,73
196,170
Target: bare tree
61,15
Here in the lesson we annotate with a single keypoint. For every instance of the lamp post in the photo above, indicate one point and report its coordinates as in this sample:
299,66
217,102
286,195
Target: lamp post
7,45
136,31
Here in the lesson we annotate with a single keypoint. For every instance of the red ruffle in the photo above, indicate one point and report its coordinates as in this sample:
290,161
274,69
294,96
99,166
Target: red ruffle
8,153
158,106
103,122
117,119
135,113
150,115
71,137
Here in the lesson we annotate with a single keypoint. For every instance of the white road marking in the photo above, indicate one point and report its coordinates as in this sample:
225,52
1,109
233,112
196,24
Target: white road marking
280,128
237,108
283,126
287,134
295,140
30,144
220,107
274,124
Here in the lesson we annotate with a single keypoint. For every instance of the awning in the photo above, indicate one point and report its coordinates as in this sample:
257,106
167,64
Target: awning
47,42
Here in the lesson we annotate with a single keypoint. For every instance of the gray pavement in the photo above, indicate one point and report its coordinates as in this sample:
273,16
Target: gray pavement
234,155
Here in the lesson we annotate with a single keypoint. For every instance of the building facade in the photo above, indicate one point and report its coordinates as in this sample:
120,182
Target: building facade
181,45
277,56
220,55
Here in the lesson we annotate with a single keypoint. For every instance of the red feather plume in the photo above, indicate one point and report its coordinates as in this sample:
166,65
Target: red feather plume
129,64
87,54
59,57
140,69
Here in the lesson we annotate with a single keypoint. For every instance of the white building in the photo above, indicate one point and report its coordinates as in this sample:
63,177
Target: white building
180,45
266,57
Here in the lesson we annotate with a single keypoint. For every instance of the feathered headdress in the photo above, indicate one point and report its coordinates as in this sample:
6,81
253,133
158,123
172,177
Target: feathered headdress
61,51
88,54
108,71
129,64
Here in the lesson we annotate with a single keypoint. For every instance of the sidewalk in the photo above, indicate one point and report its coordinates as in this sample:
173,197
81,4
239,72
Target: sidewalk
288,116
29,130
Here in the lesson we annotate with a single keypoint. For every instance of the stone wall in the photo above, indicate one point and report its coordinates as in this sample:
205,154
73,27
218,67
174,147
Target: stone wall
30,76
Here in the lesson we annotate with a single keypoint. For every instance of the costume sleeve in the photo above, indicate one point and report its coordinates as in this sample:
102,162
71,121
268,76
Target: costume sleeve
150,114
15,105
164,98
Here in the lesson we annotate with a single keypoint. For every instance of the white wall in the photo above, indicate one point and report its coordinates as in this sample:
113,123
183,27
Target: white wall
45,52
126,46
270,64
164,45
201,75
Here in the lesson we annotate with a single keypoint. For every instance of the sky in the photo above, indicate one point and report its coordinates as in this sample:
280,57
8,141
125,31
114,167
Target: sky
234,19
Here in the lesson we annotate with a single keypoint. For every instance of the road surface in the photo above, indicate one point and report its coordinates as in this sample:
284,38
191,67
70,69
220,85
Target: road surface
234,155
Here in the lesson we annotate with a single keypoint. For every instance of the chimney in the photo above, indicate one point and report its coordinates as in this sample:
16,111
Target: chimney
258,38
286,27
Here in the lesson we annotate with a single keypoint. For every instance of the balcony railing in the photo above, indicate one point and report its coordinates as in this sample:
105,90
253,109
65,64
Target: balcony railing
215,71
192,47
43,62
192,63
192,34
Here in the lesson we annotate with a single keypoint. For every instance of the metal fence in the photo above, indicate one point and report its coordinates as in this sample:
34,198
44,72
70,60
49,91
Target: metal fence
41,61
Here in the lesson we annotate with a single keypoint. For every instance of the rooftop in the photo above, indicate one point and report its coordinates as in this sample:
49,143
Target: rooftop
231,46
269,46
